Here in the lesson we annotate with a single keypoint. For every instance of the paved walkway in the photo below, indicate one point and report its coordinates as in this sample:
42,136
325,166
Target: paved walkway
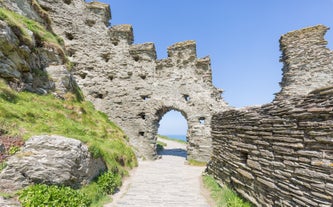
166,182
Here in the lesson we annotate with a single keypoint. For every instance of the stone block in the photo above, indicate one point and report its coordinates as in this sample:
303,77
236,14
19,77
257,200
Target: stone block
245,173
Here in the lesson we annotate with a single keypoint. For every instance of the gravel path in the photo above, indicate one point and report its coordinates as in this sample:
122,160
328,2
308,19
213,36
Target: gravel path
167,182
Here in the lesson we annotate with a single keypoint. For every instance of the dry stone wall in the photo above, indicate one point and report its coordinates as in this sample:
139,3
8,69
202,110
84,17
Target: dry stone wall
129,83
281,154
307,62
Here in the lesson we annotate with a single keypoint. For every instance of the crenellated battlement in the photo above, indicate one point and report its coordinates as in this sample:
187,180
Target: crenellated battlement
123,32
130,84
144,51
203,69
181,50
101,10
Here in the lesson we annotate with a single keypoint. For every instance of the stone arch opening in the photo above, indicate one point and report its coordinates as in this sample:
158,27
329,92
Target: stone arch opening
174,125
179,130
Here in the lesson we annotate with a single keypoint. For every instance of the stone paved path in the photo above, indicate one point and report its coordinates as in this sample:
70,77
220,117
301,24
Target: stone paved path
167,182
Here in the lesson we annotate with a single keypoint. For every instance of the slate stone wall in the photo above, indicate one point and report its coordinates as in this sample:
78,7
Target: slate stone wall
281,153
307,62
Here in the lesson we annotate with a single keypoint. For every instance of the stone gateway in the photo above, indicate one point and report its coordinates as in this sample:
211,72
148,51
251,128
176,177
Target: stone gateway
127,82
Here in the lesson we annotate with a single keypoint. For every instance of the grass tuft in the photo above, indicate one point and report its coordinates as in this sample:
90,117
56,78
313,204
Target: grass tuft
21,26
223,196
196,163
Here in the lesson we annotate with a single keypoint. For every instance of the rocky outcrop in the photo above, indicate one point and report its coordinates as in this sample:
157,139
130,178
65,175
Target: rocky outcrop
127,82
51,160
281,154
26,56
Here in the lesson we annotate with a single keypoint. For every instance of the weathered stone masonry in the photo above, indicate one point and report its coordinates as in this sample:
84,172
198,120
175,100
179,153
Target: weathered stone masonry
127,82
281,154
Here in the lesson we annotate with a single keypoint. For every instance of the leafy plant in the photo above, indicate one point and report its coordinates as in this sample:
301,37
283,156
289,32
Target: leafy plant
109,182
42,195
13,150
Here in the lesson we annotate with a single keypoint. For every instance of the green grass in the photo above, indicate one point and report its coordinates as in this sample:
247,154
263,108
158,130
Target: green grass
170,138
26,114
160,145
223,196
22,24
196,163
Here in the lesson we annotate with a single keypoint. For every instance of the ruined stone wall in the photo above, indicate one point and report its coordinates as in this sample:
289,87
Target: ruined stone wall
281,154
307,62
127,82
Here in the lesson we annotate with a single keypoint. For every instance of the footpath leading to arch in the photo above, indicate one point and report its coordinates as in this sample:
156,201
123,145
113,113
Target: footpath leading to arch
165,182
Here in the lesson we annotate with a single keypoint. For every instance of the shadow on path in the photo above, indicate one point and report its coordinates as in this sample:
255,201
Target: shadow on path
178,152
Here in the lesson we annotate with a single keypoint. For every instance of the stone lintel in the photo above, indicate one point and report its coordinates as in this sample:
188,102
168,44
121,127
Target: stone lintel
122,32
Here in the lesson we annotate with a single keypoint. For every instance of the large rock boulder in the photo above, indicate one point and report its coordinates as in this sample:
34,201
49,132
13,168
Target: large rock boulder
51,160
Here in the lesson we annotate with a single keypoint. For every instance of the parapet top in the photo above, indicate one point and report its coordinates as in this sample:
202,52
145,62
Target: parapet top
315,33
147,48
100,6
188,47
97,5
122,31
100,9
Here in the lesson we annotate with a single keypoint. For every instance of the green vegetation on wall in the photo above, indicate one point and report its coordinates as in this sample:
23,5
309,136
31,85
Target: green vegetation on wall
22,25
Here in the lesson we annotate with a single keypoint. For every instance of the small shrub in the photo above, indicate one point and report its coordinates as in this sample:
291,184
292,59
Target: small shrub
109,182
43,195
13,150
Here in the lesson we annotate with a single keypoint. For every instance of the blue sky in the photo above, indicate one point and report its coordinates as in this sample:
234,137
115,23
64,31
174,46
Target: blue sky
240,36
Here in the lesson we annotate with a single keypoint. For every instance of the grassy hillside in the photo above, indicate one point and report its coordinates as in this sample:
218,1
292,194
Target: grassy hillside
25,114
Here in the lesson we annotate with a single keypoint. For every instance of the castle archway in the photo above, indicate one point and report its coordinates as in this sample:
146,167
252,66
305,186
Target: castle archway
197,134
173,125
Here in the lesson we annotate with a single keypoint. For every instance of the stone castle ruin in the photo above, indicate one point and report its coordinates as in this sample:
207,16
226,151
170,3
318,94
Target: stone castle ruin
281,154
127,82
278,154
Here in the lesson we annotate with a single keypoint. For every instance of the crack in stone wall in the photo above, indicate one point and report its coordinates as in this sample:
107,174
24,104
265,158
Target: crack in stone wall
130,84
